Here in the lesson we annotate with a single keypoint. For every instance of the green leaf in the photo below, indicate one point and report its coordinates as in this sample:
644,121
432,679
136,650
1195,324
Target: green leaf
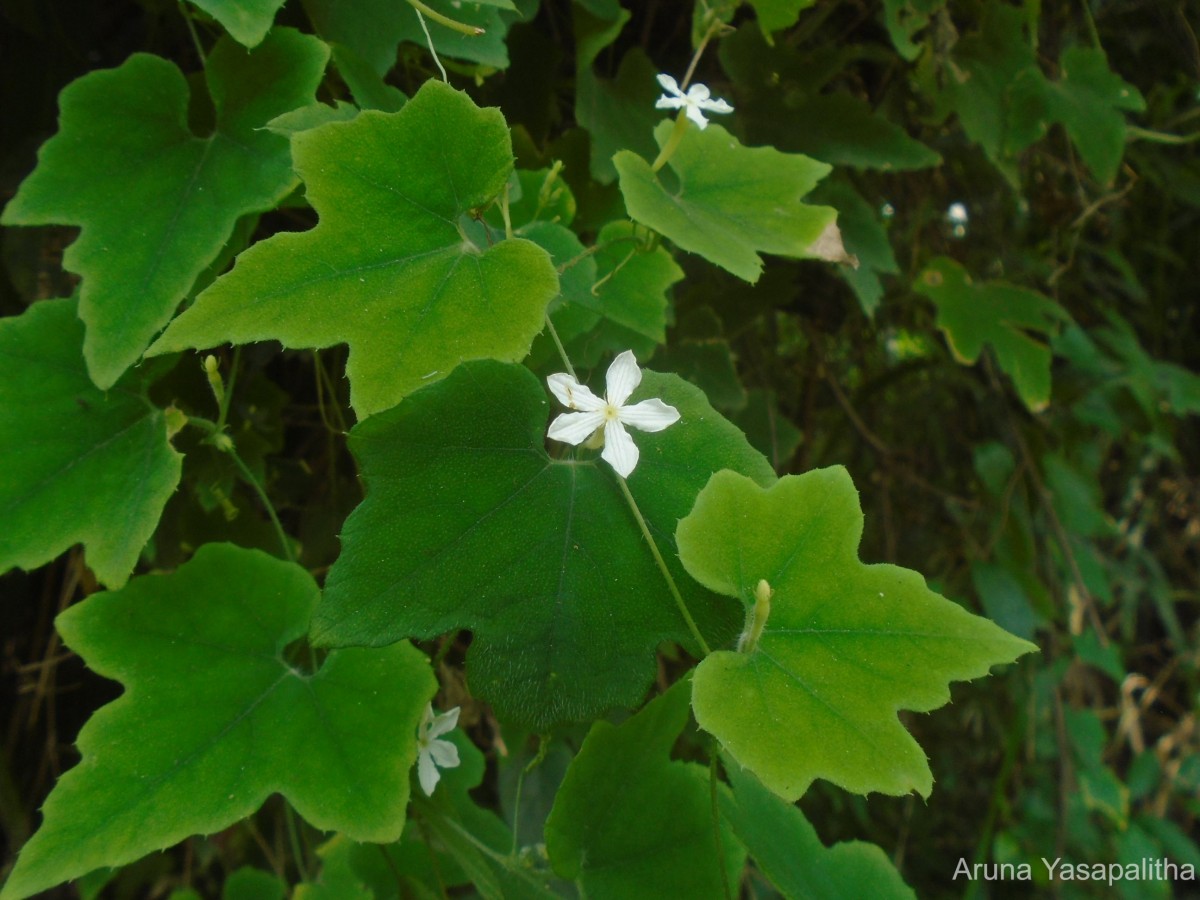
618,113
215,719
155,203
1088,101
540,558
730,202
842,130
253,884
628,823
775,15
905,19
81,465
788,850
845,645
488,49
621,303
388,269
984,66
1008,318
865,238
467,831
247,21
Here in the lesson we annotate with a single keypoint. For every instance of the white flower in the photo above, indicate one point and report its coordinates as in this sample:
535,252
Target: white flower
623,376
431,752
696,99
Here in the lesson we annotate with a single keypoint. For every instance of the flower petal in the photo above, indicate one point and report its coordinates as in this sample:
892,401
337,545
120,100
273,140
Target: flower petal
649,415
670,85
444,754
619,451
669,103
572,394
447,721
623,375
717,106
576,427
698,93
693,113
427,772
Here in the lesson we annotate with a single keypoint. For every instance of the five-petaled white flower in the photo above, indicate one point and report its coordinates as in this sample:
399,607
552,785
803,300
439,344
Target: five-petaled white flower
431,752
611,413
696,99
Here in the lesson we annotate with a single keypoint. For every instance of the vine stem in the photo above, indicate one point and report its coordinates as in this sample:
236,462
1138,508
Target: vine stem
226,445
562,351
708,36
453,24
294,839
187,17
662,567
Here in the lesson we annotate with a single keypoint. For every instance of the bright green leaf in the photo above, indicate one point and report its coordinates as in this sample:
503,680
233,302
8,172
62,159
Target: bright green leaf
155,202
730,202
845,645
388,269
788,850
81,465
540,558
215,719
247,21
1001,315
628,823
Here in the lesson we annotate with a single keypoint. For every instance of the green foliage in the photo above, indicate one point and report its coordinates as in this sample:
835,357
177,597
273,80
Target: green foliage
215,719
789,852
81,464
946,249
629,822
563,582
1009,319
392,275
834,649
726,204
154,202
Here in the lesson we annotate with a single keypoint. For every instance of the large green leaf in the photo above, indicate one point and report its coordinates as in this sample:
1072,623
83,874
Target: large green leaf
215,719
81,465
541,558
1088,101
1001,315
155,203
730,202
788,850
248,21
628,823
389,268
845,645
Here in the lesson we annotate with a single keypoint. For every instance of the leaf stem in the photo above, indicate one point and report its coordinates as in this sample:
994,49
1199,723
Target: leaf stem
662,567
187,17
453,24
562,351
224,443
432,50
294,838
508,229
1159,137
668,150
